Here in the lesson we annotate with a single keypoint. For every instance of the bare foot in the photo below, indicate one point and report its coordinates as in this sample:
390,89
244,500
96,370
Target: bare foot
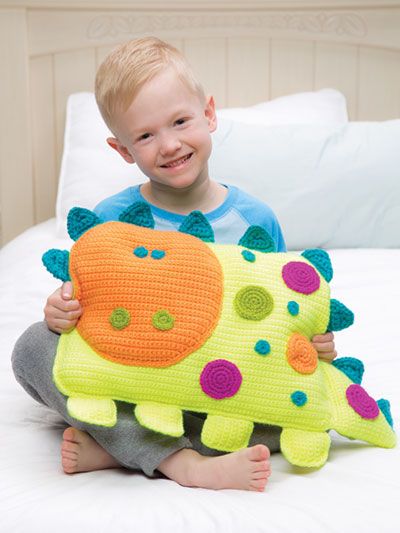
247,469
81,453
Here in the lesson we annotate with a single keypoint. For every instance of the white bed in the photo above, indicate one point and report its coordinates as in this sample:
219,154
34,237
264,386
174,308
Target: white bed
350,204
359,487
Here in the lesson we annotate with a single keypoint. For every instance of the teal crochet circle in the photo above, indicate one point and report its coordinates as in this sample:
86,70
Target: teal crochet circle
249,256
253,302
262,347
293,308
299,398
120,318
157,254
140,251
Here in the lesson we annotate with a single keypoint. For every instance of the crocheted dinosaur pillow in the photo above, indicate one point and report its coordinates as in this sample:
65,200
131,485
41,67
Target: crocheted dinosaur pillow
174,322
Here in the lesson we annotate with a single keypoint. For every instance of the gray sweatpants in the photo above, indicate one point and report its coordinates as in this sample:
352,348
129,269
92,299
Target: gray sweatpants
132,445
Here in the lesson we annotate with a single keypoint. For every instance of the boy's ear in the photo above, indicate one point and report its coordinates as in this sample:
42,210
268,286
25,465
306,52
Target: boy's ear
210,113
121,149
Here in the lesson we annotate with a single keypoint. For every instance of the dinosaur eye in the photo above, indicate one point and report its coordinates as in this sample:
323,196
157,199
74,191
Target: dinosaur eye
141,251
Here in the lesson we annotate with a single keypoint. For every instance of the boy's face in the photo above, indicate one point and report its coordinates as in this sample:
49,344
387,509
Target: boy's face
166,132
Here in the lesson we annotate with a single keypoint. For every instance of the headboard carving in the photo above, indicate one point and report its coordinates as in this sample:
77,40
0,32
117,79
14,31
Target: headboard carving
340,24
243,52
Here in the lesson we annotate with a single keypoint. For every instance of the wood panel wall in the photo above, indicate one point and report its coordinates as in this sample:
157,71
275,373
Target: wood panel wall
241,58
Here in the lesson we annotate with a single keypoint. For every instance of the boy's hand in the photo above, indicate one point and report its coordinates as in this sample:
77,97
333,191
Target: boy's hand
325,346
61,312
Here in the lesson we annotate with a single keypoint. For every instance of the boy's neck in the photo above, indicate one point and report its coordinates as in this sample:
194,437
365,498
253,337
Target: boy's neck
205,197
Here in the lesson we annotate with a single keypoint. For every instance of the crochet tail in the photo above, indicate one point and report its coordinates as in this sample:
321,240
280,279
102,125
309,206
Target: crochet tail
355,414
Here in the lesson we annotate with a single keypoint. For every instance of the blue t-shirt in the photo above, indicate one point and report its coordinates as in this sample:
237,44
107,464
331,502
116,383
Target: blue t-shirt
229,221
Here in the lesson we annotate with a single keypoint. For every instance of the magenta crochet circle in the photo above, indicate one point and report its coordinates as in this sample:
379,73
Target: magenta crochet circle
300,277
361,402
220,379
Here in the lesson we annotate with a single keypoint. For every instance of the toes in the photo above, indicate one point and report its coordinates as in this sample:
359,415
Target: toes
69,469
261,466
69,465
260,475
70,434
69,455
258,485
258,453
69,446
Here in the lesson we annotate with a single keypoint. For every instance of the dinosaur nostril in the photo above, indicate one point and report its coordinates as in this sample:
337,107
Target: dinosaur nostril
120,318
163,320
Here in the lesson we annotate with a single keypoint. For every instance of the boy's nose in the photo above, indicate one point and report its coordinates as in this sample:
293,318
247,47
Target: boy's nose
169,144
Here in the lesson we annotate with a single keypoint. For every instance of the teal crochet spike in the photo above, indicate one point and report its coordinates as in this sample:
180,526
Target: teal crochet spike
57,263
256,238
196,224
352,367
321,260
139,214
80,220
384,406
341,317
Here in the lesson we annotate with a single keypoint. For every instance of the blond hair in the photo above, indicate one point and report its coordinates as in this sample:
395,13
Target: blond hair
129,66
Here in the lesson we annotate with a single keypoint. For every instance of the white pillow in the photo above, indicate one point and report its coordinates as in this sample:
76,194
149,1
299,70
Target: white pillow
330,185
327,106
91,170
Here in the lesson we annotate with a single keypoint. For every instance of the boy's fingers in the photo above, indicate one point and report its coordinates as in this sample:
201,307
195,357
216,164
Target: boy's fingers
69,315
69,306
63,326
60,314
328,358
67,290
325,347
326,337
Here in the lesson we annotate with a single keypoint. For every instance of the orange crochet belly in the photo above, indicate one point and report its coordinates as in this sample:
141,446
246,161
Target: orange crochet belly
149,298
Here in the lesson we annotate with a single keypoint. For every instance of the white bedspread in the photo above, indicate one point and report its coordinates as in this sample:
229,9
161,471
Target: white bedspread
358,488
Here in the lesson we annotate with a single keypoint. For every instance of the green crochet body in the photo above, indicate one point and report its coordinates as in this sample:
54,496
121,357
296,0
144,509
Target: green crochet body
256,363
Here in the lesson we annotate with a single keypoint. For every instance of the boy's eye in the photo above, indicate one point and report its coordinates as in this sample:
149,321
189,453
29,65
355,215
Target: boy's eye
144,137
180,121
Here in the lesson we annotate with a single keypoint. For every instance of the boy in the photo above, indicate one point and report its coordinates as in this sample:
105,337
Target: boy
161,120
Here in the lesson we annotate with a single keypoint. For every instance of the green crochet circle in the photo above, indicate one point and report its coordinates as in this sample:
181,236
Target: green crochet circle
120,318
163,320
253,302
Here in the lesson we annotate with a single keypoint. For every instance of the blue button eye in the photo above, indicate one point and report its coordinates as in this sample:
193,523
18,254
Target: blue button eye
157,254
140,251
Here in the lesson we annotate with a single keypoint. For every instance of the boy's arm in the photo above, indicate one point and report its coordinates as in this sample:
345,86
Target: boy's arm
325,346
61,312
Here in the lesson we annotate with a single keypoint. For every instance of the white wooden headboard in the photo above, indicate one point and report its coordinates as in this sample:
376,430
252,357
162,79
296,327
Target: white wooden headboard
243,51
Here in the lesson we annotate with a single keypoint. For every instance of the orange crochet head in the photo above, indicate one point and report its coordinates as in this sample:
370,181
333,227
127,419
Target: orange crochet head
149,298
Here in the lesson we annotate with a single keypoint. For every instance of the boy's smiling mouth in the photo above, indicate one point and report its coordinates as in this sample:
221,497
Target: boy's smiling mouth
177,162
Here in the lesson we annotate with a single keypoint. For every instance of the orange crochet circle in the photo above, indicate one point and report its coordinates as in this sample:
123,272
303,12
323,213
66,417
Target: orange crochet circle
301,354
107,274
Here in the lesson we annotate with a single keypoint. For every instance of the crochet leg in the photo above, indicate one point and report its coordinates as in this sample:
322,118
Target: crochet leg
262,434
132,445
